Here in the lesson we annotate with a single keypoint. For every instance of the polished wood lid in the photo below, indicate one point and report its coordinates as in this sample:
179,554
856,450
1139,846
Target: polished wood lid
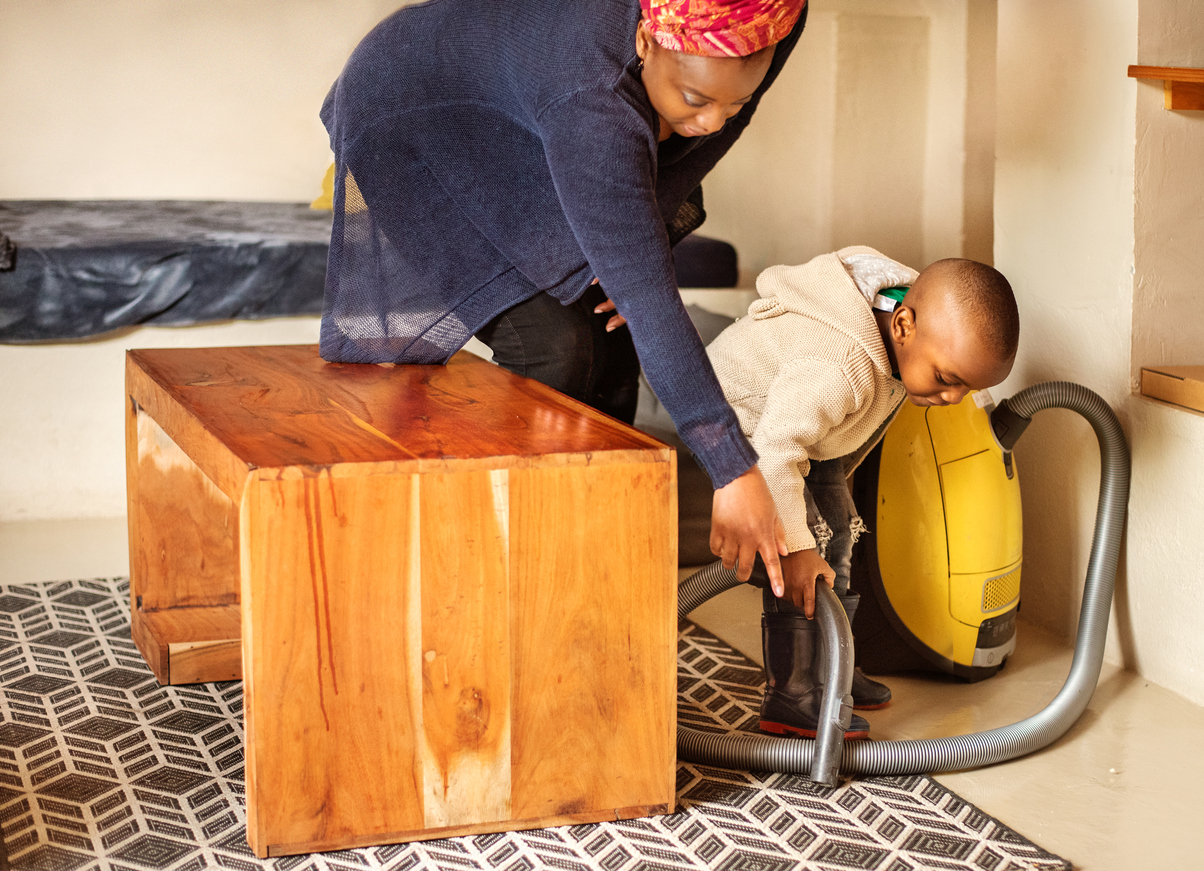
283,405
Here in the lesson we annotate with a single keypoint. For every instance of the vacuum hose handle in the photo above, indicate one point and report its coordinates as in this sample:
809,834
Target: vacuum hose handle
836,712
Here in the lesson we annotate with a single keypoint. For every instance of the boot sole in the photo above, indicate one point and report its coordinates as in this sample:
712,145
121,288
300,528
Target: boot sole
784,729
876,707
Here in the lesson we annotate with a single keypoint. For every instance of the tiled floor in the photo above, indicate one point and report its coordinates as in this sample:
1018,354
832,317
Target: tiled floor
1122,791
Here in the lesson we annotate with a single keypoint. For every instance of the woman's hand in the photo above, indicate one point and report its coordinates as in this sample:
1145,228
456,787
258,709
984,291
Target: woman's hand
802,570
614,323
744,522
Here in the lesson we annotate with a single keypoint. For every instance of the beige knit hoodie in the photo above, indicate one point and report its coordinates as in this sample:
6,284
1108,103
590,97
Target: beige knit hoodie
807,374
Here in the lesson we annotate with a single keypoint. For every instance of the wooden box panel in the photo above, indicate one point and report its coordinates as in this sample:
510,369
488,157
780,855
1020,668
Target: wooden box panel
332,713
458,652
187,553
462,626
237,409
595,647
184,568
450,591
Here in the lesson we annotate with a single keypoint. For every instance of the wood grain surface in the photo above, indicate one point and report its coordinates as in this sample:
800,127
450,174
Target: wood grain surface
332,727
1179,74
280,406
187,553
1182,87
1184,96
454,590
190,645
464,617
460,650
200,661
184,426
594,616
610,815
184,565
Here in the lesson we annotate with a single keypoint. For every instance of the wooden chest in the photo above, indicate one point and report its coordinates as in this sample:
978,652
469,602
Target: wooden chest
449,591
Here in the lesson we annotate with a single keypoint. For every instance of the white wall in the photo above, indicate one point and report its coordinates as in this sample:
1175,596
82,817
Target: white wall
62,438
1064,238
1169,219
863,140
187,99
1077,209
1166,550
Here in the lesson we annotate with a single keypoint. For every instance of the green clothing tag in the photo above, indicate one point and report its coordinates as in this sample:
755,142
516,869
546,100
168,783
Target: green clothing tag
888,298
895,295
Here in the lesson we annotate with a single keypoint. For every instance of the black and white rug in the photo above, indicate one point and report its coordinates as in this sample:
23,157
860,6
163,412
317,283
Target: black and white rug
102,768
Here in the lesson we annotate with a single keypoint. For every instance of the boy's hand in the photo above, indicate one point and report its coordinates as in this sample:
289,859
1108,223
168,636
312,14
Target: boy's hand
744,522
801,569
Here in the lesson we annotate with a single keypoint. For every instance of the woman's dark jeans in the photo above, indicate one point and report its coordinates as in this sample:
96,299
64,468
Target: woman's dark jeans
567,347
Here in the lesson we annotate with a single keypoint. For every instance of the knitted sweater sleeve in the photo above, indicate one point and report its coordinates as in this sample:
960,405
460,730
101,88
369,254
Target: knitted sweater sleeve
805,401
602,166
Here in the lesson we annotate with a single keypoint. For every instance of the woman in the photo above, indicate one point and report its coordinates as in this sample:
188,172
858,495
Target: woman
516,170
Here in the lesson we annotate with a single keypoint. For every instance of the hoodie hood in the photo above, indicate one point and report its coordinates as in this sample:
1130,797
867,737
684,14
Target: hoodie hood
837,290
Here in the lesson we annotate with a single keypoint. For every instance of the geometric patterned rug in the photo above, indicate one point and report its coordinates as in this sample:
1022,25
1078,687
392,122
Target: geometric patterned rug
102,768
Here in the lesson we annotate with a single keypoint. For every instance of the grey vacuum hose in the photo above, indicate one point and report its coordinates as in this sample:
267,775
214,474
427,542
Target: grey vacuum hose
836,711
748,751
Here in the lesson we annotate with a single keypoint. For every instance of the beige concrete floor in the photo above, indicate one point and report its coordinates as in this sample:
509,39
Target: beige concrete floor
1121,791
58,550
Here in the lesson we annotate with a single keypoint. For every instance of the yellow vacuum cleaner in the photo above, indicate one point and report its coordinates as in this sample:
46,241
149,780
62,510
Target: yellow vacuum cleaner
939,574
946,552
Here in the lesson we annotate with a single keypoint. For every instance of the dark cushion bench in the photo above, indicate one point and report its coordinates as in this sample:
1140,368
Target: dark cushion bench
82,269
73,270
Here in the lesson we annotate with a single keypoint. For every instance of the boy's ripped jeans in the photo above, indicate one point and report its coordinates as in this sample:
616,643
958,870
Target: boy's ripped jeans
834,522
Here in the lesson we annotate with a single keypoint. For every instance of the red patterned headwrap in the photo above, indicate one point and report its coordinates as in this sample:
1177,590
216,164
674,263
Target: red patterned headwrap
720,28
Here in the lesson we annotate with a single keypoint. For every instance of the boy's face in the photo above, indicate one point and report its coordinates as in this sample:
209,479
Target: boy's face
940,356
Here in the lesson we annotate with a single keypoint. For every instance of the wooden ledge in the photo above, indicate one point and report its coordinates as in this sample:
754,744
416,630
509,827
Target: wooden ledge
1182,87
190,645
1182,386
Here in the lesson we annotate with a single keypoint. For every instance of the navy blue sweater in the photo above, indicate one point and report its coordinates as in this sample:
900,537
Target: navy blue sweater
489,150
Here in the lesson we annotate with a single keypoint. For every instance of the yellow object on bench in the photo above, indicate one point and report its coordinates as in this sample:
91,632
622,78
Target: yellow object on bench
450,591
325,200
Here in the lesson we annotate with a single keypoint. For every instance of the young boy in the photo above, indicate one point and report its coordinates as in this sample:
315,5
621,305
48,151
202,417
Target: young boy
815,373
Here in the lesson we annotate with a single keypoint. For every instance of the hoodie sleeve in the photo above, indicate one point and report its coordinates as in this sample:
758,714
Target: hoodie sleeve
805,401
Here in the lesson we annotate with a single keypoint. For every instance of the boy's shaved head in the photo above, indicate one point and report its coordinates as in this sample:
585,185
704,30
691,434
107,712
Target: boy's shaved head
956,330
985,297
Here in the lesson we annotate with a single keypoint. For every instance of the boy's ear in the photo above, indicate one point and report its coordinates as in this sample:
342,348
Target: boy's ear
903,324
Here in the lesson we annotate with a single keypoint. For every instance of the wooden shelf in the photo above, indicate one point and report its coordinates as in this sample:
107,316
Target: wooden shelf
1182,87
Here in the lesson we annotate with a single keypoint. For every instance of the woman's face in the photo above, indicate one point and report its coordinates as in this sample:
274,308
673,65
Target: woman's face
695,95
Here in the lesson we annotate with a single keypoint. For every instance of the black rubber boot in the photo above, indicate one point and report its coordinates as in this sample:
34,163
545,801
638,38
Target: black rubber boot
794,689
868,695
